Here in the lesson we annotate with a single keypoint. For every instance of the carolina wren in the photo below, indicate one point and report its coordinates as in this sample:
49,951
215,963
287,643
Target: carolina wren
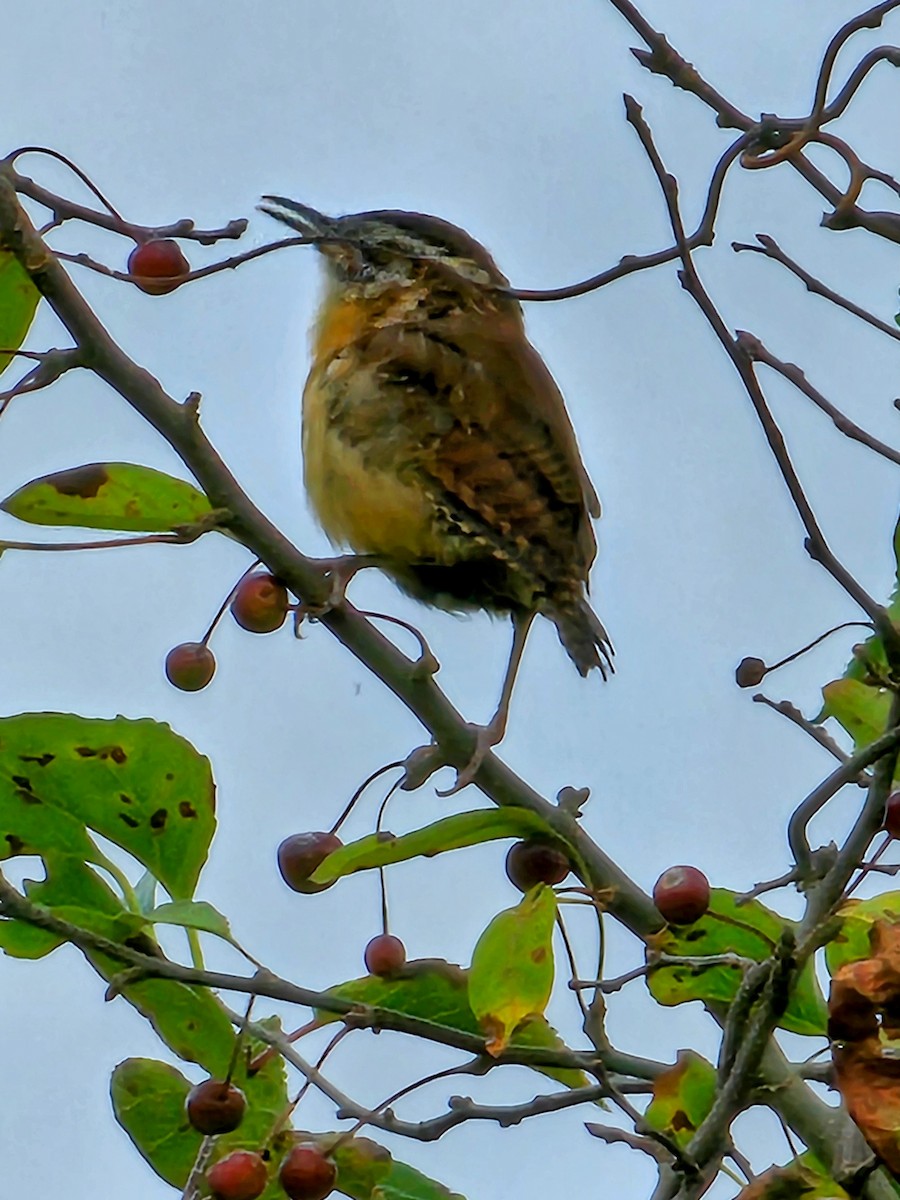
436,440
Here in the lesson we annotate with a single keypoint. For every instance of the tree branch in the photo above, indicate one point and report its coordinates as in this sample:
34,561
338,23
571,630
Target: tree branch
180,426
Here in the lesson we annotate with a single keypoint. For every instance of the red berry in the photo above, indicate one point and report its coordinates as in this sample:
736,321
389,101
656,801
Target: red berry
892,815
682,895
536,860
300,854
306,1174
190,666
750,672
384,955
215,1106
161,265
260,603
241,1175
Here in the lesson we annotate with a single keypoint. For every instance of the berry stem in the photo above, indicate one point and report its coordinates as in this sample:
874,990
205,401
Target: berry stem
85,179
224,605
351,804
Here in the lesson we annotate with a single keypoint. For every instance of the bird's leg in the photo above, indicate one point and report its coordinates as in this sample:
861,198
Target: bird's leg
490,735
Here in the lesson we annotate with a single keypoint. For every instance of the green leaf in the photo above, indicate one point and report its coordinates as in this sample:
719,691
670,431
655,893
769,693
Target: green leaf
145,891
18,304
750,930
437,991
852,942
511,976
450,833
803,1178
682,1097
190,1020
73,892
149,1103
862,710
122,496
367,1171
192,914
135,782
148,1100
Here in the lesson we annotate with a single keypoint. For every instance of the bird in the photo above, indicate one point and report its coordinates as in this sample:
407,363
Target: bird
436,442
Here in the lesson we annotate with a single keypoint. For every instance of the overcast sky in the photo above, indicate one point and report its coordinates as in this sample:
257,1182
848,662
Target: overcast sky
506,118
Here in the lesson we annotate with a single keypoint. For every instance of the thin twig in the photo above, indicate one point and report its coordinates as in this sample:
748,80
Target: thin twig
817,732
756,351
770,249
874,752
702,236
64,209
816,545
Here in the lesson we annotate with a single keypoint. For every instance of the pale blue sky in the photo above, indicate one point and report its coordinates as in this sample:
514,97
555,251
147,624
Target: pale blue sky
505,118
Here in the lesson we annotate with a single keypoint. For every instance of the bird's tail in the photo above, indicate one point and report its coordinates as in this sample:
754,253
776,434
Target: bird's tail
582,634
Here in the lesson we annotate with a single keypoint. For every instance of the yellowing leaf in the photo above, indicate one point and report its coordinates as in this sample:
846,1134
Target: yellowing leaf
512,966
18,301
682,1097
122,496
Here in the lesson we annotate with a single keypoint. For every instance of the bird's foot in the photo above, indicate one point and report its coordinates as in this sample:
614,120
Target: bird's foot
486,738
338,571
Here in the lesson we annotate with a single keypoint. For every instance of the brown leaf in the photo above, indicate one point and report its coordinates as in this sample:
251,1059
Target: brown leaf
863,1014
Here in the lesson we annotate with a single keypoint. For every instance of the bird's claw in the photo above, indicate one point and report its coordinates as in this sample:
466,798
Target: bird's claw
486,738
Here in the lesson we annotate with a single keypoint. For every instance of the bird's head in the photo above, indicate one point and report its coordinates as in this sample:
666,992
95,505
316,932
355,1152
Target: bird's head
387,247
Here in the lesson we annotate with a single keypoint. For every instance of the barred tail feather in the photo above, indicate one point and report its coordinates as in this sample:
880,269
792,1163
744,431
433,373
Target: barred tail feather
585,640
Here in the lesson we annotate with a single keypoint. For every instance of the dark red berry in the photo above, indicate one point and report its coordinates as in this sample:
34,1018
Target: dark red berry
536,860
682,895
306,1174
241,1175
384,955
750,672
260,603
190,666
300,854
160,264
215,1106
892,815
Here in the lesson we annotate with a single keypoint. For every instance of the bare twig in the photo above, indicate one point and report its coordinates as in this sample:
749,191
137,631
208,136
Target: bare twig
875,752
51,364
702,236
225,264
828,891
611,1135
770,248
770,130
816,545
757,352
817,732
64,210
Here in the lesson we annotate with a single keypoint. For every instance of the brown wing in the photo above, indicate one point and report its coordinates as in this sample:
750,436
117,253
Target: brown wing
493,437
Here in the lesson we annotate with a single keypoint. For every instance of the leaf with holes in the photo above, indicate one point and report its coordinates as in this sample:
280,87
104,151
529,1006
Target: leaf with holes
74,892
749,931
122,496
135,782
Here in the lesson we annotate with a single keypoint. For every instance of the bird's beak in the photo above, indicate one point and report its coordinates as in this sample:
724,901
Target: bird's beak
306,220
